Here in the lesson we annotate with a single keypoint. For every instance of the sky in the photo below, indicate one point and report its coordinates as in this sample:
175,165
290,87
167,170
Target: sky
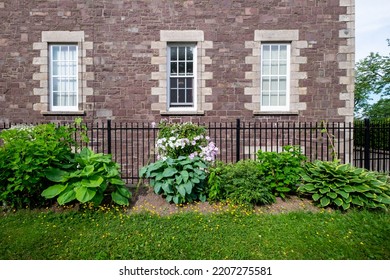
372,24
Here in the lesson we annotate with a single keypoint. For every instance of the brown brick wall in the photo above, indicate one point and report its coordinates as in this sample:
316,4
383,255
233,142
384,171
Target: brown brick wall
122,32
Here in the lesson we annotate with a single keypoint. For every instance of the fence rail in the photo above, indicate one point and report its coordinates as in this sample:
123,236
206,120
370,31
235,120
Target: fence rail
132,144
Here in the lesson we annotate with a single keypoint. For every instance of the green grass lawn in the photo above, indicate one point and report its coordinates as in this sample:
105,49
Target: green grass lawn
113,234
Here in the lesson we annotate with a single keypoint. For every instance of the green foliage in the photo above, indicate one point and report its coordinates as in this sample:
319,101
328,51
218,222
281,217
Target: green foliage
281,171
372,76
27,152
240,183
379,133
342,186
91,178
180,179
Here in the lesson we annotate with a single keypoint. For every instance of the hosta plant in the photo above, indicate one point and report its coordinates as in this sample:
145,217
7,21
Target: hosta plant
343,186
179,180
93,177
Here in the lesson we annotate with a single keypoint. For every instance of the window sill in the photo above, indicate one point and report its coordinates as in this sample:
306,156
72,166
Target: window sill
182,113
276,113
64,113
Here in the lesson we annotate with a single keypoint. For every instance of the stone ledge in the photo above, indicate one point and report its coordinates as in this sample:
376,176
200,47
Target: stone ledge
182,113
62,113
275,113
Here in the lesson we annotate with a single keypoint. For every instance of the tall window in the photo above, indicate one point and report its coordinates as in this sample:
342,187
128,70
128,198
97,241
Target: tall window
181,80
63,74
275,77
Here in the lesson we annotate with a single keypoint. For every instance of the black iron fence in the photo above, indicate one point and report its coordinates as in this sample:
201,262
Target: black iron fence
132,144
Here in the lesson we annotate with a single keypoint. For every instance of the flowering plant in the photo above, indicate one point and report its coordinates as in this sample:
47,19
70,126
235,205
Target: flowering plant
185,139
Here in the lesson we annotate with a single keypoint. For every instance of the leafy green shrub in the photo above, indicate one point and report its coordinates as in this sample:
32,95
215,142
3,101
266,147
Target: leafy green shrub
281,171
180,179
342,186
241,183
26,153
92,177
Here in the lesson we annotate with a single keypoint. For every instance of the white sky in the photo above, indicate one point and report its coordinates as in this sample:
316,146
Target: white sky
372,27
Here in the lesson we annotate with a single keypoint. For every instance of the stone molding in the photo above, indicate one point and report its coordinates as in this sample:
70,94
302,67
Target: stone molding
185,36
288,36
42,61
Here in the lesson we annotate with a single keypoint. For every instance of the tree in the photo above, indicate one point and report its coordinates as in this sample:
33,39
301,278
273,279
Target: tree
372,77
379,110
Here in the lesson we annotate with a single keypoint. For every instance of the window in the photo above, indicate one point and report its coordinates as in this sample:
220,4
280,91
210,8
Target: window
275,77
63,77
181,76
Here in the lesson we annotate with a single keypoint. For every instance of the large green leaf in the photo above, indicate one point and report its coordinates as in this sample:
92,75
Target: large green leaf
116,181
56,175
84,194
184,175
316,196
118,198
87,170
124,192
53,191
188,187
169,172
181,189
338,201
343,193
324,201
332,195
66,197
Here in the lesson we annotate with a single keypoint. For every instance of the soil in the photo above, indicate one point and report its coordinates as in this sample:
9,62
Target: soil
146,200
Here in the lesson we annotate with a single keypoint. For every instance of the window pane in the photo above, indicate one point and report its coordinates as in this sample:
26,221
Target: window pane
266,68
72,53
55,52
55,98
266,52
173,83
189,82
189,95
173,67
282,84
182,68
173,96
282,99
190,69
274,52
265,100
283,68
283,52
181,83
274,100
274,84
173,53
182,53
182,95
265,84
190,55
274,68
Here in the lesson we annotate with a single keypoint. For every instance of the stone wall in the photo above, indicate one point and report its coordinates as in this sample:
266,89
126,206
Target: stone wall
122,57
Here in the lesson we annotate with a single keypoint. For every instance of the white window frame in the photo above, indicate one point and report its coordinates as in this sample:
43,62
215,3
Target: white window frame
193,107
64,76
287,76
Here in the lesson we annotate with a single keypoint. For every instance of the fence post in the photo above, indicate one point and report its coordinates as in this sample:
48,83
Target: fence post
109,136
367,144
238,139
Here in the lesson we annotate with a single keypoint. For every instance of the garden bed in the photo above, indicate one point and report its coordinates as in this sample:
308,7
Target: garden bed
147,200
